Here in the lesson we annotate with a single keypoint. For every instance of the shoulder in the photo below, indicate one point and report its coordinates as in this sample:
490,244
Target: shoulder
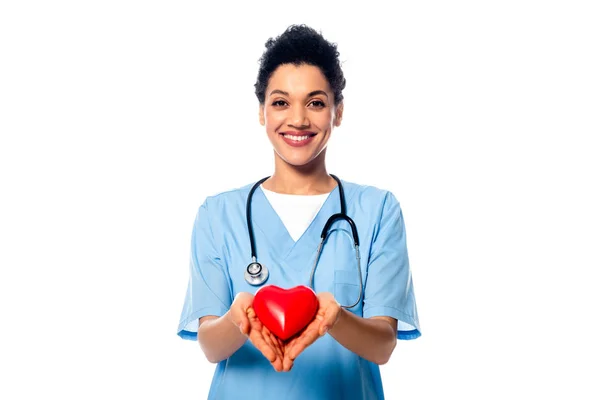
374,205
229,198
218,208
368,195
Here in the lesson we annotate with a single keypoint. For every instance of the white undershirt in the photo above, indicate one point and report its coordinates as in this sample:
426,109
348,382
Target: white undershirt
295,211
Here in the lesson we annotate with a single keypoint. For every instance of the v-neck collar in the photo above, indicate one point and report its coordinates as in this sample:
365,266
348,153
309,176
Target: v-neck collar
268,221
296,211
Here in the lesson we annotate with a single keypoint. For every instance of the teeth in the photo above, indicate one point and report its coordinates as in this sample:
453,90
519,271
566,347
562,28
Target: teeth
296,138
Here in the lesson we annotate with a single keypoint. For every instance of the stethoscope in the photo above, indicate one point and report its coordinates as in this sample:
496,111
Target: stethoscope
256,274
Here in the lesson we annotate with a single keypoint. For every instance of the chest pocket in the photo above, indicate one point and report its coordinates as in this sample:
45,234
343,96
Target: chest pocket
347,287
339,257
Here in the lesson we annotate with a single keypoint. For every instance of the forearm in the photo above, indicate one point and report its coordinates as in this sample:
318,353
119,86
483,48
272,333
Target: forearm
372,339
219,338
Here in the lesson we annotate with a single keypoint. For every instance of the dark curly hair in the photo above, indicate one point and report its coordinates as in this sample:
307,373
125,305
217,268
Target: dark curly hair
299,45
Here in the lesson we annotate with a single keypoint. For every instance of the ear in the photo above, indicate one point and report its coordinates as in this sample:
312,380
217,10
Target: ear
339,111
261,114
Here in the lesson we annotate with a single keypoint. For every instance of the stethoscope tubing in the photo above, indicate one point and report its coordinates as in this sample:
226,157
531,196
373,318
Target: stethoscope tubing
262,275
249,217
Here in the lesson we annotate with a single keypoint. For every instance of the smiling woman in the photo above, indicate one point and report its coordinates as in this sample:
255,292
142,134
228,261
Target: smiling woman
299,114
337,355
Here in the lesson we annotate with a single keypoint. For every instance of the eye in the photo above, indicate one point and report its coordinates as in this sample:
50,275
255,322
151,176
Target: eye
318,103
278,103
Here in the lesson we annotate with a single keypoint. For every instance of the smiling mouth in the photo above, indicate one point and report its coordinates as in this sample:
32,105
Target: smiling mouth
297,138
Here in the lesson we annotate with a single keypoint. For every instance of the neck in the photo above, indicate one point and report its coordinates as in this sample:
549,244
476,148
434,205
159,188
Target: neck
308,179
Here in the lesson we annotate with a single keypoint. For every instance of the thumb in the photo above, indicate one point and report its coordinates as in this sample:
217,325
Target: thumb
323,330
244,322
244,325
330,318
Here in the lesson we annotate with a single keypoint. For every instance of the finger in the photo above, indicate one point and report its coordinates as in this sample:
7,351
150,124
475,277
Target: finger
276,344
266,333
295,351
258,341
281,345
290,342
271,341
267,338
260,336
278,365
288,363
268,352
303,342
254,322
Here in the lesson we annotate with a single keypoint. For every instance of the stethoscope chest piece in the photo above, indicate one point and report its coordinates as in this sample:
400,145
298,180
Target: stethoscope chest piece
256,274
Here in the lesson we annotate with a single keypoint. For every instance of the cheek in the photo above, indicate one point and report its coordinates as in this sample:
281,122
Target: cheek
323,121
273,122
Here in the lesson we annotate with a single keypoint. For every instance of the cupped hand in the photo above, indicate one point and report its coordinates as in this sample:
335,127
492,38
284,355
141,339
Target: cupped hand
326,317
242,315
282,354
266,342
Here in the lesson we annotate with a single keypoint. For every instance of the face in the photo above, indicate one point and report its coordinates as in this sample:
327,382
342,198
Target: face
299,113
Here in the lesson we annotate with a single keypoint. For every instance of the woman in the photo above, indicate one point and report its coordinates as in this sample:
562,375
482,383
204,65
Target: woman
337,356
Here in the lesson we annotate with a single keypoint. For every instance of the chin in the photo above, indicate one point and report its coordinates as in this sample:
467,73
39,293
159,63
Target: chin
300,157
297,161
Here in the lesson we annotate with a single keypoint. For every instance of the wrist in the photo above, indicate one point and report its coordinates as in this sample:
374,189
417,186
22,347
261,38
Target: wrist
341,316
228,317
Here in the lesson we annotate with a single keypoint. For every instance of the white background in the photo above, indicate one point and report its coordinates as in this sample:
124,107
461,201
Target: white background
117,118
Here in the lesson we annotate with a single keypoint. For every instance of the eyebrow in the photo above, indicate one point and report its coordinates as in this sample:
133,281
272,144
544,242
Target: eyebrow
313,93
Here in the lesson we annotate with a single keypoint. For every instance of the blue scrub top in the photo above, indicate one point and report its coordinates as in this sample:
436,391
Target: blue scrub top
220,253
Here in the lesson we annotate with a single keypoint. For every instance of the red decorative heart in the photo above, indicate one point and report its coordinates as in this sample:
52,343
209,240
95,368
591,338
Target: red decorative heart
285,312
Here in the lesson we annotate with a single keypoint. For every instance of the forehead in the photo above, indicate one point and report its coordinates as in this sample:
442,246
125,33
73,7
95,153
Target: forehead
298,79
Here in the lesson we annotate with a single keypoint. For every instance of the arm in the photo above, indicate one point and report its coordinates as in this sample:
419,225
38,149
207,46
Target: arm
219,338
389,295
371,338
222,324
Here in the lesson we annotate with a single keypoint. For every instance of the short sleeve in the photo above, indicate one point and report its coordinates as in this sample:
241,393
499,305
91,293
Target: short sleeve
389,287
208,291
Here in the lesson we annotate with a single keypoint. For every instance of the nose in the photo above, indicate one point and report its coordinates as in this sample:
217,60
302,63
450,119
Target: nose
298,117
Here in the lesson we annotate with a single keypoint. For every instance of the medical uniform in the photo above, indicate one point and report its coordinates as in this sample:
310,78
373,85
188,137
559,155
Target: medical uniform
220,253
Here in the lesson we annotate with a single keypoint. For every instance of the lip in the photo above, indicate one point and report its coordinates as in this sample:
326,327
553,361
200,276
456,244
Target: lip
298,143
298,133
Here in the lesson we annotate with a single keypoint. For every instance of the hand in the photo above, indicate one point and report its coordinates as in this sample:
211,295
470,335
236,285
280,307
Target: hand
242,315
269,345
238,312
328,313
